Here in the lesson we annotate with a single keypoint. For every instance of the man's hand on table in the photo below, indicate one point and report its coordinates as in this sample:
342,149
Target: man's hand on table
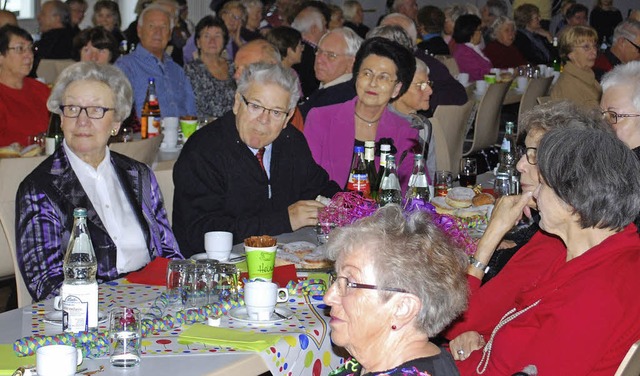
304,213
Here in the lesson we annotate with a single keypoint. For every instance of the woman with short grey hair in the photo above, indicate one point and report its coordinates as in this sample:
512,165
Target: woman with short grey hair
127,220
576,273
354,17
501,50
264,73
400,280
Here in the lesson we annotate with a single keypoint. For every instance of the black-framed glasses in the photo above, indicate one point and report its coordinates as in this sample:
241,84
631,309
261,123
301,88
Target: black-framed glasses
422,86
611,117
21,48
342,284
633,44
93,112
530,152
257,110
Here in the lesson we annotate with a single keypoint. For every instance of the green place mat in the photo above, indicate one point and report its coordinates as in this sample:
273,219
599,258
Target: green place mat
223,337
9,361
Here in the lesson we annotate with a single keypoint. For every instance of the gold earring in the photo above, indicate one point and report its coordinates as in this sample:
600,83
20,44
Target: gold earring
114,132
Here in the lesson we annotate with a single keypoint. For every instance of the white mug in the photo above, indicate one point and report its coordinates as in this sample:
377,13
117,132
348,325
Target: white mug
260,298
170,131
463,78
218,245
522,82
481,87
57,360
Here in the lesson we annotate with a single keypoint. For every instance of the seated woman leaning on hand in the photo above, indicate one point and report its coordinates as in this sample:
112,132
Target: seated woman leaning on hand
399,281
126,217
384,70
566,303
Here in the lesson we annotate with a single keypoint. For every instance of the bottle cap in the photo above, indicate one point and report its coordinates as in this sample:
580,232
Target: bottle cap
417,157
369,144
385,147
79,212
358,149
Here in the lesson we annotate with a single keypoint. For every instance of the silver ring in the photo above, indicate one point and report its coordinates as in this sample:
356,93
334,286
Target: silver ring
460,352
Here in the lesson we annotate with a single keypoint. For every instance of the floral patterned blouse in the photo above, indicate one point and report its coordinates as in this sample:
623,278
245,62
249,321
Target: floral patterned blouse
213,97
437,365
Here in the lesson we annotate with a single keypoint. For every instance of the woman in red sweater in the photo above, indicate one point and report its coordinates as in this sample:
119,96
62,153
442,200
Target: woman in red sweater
23,100
501,50
566,303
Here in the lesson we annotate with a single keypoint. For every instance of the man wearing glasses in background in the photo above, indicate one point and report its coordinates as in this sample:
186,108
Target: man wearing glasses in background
248,172
625,48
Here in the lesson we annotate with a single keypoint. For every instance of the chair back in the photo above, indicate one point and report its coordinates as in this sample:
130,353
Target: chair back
449,129
165,182
487,124
630,365
144,151
543,100
13,172
537,87
50,69
450,63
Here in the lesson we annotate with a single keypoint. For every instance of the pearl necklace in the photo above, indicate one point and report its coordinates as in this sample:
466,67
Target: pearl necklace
369,123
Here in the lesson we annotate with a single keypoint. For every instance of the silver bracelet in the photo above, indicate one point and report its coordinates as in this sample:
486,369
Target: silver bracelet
478,264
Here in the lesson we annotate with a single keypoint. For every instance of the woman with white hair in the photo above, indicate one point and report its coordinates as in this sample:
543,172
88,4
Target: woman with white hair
127,220
501,50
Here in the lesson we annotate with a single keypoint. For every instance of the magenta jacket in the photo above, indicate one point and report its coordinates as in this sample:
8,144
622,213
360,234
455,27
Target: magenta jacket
330,132
469,61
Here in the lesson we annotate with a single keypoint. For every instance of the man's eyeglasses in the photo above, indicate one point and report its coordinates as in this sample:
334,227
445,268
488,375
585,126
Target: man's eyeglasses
383,79
531,154
21,48
588,47
330,55
257,110
633,44
93,112
422,86
342,284
611,117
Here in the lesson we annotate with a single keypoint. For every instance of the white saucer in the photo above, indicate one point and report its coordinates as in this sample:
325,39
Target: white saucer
55,317
240,314
203,256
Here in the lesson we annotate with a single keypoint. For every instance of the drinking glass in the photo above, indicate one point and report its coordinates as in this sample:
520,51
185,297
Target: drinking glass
443,181
225,283
125,331
502,186
203,290
179,278
468,172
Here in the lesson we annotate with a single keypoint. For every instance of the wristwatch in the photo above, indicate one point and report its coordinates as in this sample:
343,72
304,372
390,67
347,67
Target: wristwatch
478,264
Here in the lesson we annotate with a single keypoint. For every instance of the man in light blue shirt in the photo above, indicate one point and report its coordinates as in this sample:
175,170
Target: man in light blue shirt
149,59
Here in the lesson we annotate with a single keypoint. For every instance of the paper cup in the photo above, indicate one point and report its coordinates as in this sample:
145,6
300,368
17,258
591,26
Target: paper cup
188,125
260,262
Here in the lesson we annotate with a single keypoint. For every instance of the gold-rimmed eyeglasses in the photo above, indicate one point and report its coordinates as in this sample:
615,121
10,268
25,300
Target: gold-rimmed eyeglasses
384,78
93,112
257,110
343,284
422,86
611,117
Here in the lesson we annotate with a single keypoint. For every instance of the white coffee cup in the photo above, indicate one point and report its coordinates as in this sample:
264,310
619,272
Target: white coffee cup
549,72
170,131
522,82
481,87
495,71
57,360
260,298
463,78
218,245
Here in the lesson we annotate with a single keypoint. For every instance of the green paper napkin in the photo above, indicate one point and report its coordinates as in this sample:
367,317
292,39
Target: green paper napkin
9,361
222,337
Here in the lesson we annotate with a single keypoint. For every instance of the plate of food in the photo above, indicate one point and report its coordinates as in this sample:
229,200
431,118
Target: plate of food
471,207
306,256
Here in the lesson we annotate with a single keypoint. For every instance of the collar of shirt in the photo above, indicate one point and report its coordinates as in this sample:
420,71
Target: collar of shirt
144,54
344,78
266,158
81,167
310,43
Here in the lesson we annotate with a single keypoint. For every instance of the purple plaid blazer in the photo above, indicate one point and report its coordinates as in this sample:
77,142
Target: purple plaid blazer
44,218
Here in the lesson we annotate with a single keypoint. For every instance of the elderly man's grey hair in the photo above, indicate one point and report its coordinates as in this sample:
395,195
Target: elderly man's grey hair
558,114
352,39
265,73
421,66
593,172
456,10
308,18
498,23
63,11
90,71
156,7
404,22
629,29
627,75
349,9
413,254
391,32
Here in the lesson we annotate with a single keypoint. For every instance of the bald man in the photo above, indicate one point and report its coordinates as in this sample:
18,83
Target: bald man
8,18
258,50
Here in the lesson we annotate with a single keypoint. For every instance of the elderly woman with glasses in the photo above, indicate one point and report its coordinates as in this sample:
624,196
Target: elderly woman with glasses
400,280
579,271
577,82
23,100
384,70
126,217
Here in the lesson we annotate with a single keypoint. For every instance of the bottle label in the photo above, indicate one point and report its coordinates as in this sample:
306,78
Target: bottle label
49,145
359,183
75,315
155,123
82,306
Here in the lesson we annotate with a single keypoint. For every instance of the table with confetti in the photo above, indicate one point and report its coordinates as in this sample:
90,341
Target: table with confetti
304,348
